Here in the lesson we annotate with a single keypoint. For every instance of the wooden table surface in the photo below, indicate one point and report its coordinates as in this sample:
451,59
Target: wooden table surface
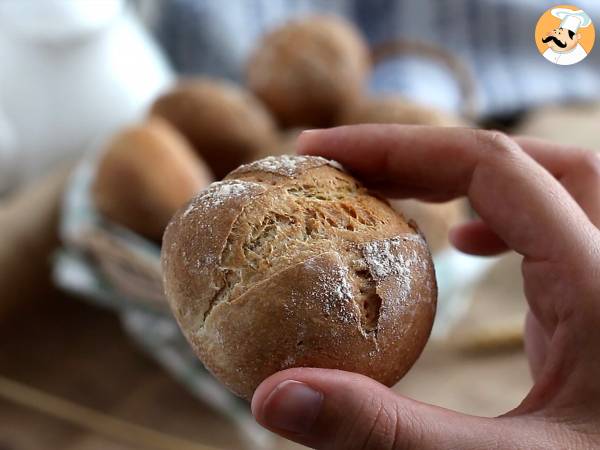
76,351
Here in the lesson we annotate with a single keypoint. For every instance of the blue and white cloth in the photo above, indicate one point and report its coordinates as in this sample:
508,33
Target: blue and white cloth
493,38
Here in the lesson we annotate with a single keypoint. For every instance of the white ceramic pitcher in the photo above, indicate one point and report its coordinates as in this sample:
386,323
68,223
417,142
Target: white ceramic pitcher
71,71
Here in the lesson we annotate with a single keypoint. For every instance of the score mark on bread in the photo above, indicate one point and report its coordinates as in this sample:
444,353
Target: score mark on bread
290,262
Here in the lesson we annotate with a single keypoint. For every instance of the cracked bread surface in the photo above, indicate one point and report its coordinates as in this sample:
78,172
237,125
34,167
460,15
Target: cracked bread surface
289,262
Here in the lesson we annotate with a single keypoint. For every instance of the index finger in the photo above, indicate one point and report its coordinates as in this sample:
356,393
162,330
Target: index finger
577,169
517,198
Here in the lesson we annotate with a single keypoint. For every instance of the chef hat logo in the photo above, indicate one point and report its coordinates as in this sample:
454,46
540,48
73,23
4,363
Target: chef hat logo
572,20
565,35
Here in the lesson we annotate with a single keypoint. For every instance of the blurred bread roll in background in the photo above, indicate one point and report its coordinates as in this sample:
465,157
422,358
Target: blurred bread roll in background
290,262
435,219
395,109
286,144
226,124
309,69
144,175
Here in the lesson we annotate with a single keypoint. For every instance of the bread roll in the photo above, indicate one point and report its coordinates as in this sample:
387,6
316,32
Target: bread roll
309,70
395,109
144,175
290,262
225,124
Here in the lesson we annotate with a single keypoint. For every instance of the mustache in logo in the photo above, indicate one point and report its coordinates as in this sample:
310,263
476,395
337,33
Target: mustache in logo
556,41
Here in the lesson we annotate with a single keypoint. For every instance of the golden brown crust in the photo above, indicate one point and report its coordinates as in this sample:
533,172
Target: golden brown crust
225,124
144,175
309,69
300,267
193,244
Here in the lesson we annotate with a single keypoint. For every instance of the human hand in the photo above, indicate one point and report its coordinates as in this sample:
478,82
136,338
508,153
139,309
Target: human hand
539,199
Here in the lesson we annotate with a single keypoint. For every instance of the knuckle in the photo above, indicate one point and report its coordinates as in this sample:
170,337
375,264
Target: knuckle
589,162
372,427
355,428
389,429
383,430
495,150
496,141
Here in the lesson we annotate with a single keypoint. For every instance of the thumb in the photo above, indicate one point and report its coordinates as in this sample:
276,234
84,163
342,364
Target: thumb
332,409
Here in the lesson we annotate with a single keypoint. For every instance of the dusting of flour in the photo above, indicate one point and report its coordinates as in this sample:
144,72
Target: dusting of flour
211,198
386,257
397,257
288,165
334,290
219,192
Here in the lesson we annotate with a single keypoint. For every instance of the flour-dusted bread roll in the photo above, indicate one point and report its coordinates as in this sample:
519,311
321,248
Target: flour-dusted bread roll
226,124
145,174
309,70
290,262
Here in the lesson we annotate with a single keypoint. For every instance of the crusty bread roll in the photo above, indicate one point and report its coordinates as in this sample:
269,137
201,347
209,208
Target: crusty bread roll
144,175
226,125
290,262
309,69
395,109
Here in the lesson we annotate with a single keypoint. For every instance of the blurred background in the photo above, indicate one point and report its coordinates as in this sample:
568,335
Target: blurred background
114,113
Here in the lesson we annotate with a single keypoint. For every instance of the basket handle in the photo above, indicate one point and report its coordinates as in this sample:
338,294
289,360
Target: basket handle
458,68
